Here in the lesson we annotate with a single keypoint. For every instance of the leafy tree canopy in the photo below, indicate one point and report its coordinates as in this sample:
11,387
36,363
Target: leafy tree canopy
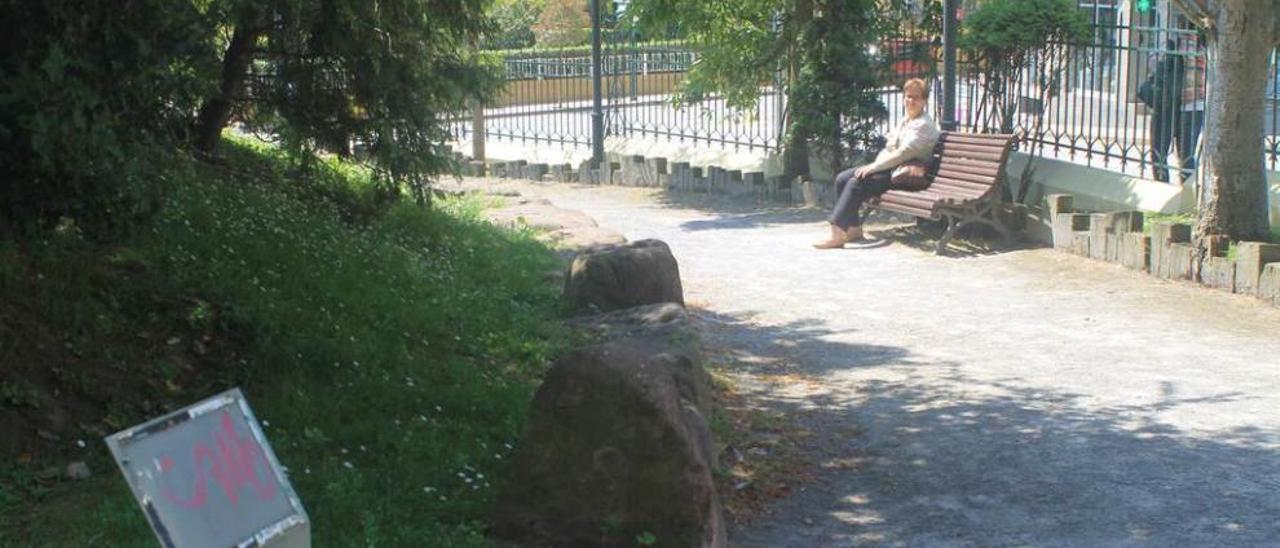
819,50
91,95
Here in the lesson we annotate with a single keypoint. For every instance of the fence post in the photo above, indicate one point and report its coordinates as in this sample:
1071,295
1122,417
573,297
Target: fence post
478,135
949,24
597,99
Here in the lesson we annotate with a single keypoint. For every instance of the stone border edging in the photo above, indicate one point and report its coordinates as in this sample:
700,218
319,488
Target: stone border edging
658,172
1166,253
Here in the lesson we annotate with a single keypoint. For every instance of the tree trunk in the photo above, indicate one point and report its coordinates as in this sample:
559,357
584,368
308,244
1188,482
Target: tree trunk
1232,176
795,152
216,112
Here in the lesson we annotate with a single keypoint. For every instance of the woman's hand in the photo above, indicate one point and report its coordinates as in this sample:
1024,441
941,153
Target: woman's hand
861,172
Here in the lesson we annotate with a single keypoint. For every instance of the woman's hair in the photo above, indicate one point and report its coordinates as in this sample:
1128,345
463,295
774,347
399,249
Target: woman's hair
918,85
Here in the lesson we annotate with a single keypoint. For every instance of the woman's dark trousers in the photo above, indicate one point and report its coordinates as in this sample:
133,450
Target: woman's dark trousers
853,192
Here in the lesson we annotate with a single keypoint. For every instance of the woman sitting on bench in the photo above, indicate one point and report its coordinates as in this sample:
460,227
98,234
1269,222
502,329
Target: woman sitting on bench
911,143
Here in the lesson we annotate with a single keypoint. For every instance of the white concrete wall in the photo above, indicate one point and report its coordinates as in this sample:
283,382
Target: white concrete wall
1093,188
1099,189
1103,190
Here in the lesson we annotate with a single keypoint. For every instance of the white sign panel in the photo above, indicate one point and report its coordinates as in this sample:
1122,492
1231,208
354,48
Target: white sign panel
206,477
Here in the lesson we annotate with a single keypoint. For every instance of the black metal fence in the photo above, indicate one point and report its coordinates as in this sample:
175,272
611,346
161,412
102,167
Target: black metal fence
1131,100
1128,100
548,100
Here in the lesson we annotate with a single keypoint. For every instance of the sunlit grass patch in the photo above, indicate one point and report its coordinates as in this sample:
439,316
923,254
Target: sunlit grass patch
391,351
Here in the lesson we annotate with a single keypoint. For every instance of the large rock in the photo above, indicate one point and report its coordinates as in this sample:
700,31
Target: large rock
539,213
635,274
614,449
663,323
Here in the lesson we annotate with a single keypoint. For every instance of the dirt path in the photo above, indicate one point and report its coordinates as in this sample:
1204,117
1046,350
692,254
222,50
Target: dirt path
1025,398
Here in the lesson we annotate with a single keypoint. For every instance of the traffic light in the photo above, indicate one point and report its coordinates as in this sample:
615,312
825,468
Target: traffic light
1144,6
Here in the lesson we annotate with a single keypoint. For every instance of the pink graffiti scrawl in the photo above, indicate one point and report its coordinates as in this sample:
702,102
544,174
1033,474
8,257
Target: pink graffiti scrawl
231,463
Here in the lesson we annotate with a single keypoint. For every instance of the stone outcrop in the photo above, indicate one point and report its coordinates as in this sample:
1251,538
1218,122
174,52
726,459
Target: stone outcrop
635,274
616,446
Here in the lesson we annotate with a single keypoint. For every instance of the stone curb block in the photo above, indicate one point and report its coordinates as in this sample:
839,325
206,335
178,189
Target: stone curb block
1180,262
535,172
1135,249
1164,235
1269,284
1219,273
1251,259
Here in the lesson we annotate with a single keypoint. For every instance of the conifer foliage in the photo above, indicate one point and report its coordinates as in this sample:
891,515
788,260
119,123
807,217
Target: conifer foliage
92,94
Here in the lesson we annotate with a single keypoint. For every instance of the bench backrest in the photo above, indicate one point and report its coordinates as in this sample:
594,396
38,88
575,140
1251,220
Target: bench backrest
970,165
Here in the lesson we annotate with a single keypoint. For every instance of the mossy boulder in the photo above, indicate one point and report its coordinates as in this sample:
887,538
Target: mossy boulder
616,447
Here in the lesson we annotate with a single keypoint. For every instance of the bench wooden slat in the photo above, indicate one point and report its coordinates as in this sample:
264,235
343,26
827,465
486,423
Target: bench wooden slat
979,178
924,200
973,153
970,170
913,211
953,148
947,192
947,181
973,166
979,138
912,199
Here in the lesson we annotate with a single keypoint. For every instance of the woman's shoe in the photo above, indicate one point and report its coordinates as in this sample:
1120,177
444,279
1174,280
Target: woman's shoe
830,244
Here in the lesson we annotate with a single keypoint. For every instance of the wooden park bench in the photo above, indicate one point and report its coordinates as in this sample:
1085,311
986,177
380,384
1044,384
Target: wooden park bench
965,188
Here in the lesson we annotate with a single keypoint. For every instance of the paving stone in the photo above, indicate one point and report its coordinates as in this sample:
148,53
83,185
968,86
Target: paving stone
535,172
1113,247
513,169
1080,243
563,173
740,186
1080,223
606,174
715,179
681,176
1269,284
1097,236
1219,273
1179,262
1251,258
631,172
699,180
776,189
1062,228
753,183
657,167
1164,235
1105,229
1135,251
497,169
1059,203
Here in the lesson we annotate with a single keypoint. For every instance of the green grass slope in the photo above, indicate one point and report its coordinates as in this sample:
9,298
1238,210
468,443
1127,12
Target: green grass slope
390,351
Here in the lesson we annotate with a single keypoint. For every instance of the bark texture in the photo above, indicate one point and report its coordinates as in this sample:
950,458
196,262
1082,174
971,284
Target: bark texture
1233,195
216,112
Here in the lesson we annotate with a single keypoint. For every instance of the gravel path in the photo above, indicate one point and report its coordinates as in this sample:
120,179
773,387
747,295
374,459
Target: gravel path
1025,398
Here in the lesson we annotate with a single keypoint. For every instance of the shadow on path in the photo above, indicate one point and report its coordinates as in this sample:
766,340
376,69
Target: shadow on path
912,451
883,228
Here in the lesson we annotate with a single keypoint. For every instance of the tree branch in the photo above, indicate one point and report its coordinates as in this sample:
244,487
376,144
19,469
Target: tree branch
1198,11
216,111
